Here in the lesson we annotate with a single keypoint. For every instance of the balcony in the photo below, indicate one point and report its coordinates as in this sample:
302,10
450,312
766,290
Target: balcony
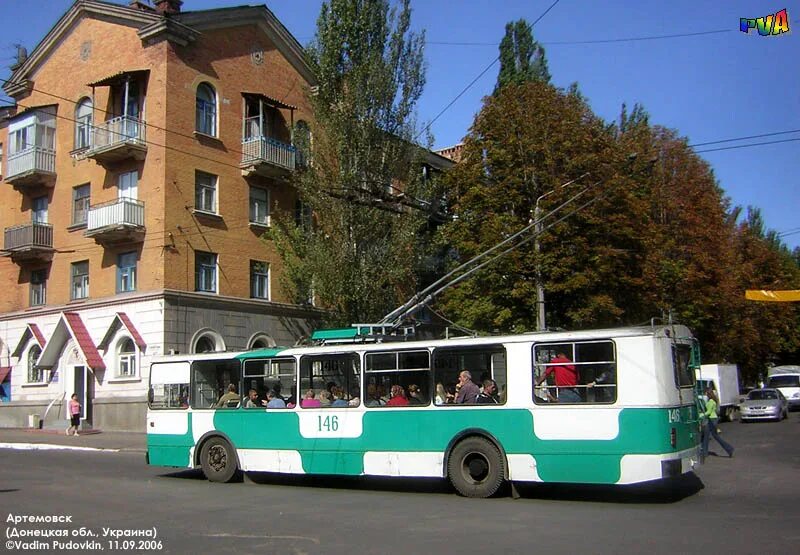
118,221
31,242
267,157
118,139
33,166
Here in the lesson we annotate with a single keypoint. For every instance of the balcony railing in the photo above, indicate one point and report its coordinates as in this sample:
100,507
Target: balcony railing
29,241
118,138
31,165
265,150
119,219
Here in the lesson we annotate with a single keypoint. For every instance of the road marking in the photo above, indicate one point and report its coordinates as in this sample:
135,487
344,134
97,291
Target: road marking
49,446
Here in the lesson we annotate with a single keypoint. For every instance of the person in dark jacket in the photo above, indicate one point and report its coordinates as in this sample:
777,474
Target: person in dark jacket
489,394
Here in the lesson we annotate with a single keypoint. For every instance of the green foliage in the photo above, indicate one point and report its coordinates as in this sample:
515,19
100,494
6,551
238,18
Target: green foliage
661,238
522,59
359,255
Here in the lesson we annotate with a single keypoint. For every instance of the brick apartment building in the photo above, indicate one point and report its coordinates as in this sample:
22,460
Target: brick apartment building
147,148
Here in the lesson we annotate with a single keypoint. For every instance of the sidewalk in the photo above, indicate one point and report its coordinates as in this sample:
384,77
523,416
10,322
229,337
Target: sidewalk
96,439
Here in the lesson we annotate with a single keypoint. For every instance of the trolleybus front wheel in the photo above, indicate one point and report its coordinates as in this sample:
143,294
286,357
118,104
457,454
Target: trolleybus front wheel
476,467
218,460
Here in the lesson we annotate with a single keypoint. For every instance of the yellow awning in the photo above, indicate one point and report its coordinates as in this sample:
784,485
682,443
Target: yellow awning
772,296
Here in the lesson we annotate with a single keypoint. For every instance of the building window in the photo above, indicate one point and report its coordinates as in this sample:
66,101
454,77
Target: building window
259,206
259,280
83,123
126,359
205,272
260,341
204,345
206,110
80,204
35,374
126,272
302,215
128,185
39,214
80,280
38,287
207,340
205,192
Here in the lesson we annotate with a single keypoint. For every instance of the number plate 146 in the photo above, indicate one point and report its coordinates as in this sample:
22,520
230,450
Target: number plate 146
330,423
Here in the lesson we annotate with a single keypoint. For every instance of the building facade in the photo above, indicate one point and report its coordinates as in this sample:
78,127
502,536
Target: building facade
148,150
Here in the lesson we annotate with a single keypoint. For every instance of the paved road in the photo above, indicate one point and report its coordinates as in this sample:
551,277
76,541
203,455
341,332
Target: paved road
748,504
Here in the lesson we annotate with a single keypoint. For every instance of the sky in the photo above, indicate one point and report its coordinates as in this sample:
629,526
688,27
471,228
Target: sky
713,83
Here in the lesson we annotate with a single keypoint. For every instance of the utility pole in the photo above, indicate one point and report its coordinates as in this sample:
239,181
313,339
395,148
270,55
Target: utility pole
540,323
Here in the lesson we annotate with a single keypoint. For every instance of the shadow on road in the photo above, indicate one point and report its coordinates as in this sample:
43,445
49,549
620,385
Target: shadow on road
662,491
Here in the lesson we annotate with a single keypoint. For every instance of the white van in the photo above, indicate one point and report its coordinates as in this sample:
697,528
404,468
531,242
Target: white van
787,380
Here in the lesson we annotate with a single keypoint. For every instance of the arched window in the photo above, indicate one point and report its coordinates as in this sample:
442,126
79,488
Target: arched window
83,123
260,341
206,111
126,358
35,375
204,345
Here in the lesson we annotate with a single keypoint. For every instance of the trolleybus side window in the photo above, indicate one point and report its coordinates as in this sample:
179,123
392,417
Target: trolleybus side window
211,384
580,372
409,369
681,358
265,375
169,385
485,362
334,378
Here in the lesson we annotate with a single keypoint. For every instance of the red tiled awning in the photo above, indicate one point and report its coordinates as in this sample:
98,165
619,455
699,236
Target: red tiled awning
122,320
4,371
71,325
32,331
81,335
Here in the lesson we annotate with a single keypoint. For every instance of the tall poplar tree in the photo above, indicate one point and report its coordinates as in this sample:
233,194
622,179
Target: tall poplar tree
522,59
358,255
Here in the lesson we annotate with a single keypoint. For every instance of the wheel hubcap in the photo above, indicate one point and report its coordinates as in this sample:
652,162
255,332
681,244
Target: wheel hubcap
475,468
217,458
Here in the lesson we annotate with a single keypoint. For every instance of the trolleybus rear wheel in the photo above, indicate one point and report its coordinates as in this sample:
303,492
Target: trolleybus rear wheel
218,460
476,467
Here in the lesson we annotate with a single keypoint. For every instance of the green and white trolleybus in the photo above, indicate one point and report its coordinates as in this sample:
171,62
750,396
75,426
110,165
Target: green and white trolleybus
634,418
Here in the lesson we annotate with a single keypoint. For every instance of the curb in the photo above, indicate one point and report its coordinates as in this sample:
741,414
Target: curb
53,447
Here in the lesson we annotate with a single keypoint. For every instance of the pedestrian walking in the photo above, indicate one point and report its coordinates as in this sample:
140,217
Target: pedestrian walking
710,428
74,408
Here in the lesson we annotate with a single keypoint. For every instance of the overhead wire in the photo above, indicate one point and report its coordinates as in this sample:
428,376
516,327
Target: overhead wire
481,74
593,41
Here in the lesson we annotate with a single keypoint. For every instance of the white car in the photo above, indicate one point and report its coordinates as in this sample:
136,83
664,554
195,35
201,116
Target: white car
764,404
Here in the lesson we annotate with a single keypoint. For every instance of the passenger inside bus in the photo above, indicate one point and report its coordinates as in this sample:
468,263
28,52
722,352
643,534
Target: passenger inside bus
415,396
324,398
488,395
309,401
338,397
251,401
273,401
229,399
398,397
374,396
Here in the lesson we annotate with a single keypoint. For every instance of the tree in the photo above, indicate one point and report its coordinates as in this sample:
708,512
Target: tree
521,58
359,258
528,140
